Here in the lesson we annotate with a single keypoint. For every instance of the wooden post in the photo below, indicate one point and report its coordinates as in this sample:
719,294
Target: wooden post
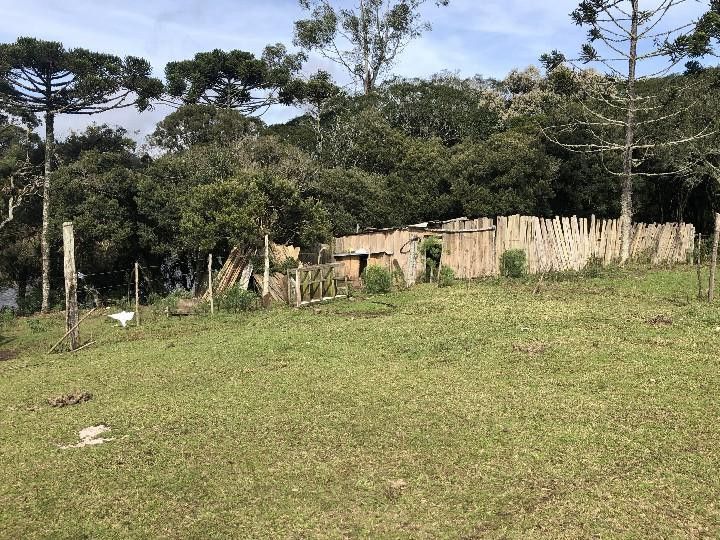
210,289
698,265
137,294
266,272
713,260
289,293
59,341
298,289
71,307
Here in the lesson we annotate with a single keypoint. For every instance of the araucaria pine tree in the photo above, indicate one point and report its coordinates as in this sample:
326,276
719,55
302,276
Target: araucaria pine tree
619,115
43,78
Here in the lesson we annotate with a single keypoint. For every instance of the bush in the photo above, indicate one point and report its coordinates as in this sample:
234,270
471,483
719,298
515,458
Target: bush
236,300
594,268
282,266
446,277
161,304
431,249
377,280
513,264
7,316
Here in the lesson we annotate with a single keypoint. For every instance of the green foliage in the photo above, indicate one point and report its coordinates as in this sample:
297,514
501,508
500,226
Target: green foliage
507,174
281,266
513,264
36,326
235,79
31,302
236,300
431,251
96,189
443,107
7,317
42,76
377,280
199,124
232,209
446,277
594,268
352,197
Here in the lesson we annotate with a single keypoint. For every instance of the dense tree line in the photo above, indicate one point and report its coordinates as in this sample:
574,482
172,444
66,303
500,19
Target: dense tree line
212,174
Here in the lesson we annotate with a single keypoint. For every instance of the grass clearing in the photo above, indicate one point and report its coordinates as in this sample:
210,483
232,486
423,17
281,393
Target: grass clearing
474,411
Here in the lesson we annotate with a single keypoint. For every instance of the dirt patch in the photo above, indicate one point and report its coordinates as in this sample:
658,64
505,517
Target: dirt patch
69,399
659,320
531,348
8,355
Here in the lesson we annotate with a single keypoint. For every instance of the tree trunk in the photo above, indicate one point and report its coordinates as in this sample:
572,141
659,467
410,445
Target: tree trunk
45,236
21,287
626,212
365,33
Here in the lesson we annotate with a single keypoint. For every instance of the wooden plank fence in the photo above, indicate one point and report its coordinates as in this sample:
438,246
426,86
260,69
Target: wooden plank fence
569,243
551,244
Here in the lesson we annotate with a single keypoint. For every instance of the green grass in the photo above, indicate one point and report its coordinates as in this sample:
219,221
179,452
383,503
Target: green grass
411,415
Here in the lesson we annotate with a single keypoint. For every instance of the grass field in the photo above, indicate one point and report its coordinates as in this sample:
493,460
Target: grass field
477,411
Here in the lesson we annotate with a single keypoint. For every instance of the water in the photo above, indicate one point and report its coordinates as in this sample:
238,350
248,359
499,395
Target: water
8,297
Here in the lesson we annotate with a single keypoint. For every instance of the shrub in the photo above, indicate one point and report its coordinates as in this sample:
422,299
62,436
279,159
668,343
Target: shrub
377,280
513,264
446,277
236,300
7,316
159,305
594,268
431,249
282,266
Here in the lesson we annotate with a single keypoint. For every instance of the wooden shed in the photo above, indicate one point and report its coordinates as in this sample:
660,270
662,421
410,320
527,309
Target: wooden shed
355,262
397,249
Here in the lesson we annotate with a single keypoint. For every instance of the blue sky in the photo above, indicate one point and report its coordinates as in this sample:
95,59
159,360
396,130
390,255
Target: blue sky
486,37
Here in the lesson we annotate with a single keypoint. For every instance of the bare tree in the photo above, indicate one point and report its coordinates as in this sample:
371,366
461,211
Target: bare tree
621,114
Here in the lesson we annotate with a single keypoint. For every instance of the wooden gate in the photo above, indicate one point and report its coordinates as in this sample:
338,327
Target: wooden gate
312,284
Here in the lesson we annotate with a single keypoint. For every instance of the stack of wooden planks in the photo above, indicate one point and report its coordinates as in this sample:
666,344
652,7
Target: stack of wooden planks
236,268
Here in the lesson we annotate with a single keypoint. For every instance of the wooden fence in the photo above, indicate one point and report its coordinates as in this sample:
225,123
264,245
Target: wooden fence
311,284
558,244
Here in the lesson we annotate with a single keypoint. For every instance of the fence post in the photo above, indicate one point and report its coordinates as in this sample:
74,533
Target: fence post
266,274
698,265
71,306
137,294
210,288
713,260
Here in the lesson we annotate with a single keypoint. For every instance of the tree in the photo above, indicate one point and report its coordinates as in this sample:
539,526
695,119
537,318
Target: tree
95,186
321,99
43,78
366,39
510,173
19,178
196,124
235,79
618,114
445,107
